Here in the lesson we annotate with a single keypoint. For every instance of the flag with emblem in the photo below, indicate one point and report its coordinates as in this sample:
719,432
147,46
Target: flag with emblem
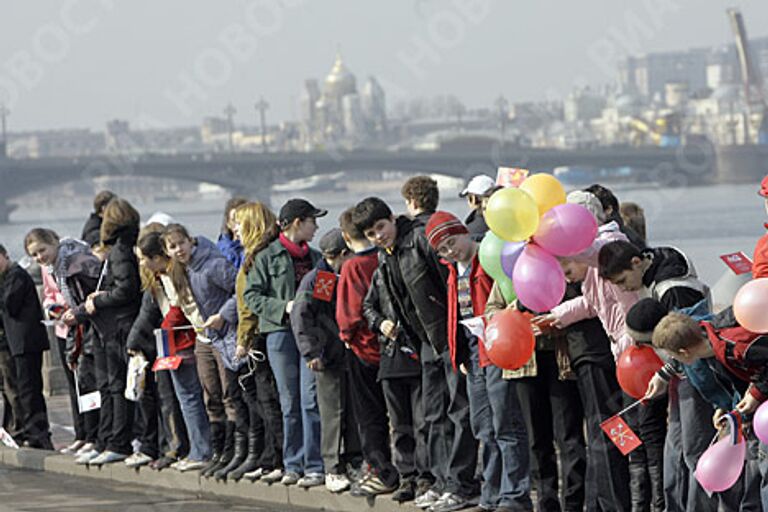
621,435
166,351
511,176
325,285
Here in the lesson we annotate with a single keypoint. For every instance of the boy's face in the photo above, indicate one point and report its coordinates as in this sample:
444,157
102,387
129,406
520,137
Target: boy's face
457,248
685,356
338,260
630,280
383,233
574,271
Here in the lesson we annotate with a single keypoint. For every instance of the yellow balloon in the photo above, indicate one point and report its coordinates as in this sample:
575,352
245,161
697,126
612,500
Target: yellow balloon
546,190
512,214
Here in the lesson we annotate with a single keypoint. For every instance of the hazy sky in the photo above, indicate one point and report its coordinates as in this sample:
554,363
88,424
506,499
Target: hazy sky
79,63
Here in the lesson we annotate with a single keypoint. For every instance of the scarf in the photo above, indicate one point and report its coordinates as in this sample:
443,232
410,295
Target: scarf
74,257
297,251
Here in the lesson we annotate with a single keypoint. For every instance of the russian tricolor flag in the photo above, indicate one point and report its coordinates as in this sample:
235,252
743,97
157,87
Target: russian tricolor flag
166,351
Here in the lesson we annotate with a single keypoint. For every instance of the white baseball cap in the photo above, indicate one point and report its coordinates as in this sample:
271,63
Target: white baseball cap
479,185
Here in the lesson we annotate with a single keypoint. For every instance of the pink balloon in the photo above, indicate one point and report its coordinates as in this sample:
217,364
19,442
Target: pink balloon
720,466
510,253
760,423
538,278
566,229
751,304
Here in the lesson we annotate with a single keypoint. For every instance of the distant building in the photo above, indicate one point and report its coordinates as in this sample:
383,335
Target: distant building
56,143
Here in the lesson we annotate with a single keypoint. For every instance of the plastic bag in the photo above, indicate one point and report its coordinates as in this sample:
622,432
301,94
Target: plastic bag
137,377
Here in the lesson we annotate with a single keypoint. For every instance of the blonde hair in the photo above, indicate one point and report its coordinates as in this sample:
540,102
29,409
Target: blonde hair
676,331
118,214
258,228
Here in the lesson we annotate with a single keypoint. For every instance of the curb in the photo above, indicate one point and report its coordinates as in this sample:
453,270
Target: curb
316,498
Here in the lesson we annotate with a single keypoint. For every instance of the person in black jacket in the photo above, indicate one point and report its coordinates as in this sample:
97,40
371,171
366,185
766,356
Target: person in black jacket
91,230
8,389
313,320
421,198
27,339
113,309
416,280
610,204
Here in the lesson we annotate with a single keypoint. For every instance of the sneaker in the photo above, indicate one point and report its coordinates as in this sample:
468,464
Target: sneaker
273,476
107,457
449,502
255,474
87,447
336,483
73,448
290,478
373,486
137,460
311,480
406,491
87,457
427,499
185,465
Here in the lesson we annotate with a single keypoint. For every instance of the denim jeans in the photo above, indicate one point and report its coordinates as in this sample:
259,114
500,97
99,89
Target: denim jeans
497,421
190,395
298,400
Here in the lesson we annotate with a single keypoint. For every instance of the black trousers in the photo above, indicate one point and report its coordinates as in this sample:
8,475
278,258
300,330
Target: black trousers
119,408
607,481
11,406
373,423
554,417
406,413
86,379
163,430
646,463
34,414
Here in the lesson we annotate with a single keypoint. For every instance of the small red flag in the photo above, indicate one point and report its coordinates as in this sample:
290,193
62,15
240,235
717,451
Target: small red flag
325,285
166,363
621,435
738,262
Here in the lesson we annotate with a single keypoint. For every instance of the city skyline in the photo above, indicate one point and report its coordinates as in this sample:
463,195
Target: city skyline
99,61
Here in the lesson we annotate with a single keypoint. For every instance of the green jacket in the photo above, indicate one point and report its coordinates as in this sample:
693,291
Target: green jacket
271,284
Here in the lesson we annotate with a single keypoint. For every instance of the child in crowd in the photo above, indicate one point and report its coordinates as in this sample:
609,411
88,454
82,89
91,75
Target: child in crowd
421,198
270,291
416,281
496,419
313,320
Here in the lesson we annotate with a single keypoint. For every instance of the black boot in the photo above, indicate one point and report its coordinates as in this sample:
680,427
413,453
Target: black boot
240,453
251,462
638,487
225,450
217,445
656,477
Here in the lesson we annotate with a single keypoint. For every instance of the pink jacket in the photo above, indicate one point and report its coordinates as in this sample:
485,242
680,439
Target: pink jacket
600,297
51,296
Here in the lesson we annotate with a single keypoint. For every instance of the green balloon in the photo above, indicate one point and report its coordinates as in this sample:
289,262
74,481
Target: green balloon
507,289
490,255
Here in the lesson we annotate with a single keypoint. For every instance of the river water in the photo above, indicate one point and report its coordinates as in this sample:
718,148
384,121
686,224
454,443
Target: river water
704,222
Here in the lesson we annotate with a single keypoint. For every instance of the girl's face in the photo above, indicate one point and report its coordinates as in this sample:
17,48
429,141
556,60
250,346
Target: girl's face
231,220
305,229
575,271
179,248
237,230
42,253
156,264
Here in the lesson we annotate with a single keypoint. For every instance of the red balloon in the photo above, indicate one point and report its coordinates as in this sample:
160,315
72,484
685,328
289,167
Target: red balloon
509,340
635,367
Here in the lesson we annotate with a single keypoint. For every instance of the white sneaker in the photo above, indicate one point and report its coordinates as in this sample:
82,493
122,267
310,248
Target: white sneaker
73,448
272,477
87,457
107,457
137,460
337,483
87,447
254,475
427,499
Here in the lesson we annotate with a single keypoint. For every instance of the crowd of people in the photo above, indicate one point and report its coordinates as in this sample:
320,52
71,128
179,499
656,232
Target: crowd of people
351,366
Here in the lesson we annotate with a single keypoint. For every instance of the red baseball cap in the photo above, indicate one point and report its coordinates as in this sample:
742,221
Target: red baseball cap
764,187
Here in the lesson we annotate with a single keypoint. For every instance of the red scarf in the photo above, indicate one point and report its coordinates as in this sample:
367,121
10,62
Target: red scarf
297,251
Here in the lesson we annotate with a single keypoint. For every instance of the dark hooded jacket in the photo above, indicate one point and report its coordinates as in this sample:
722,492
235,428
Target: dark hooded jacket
21,312
672,279
92,230
476,225
117,307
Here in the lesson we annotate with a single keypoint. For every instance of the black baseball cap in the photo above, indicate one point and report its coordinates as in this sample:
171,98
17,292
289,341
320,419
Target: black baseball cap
299,209
332,242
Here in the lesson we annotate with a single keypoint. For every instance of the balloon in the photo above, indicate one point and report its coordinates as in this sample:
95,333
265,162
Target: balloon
720,466
546,190
507,289
509,255
635,367
489,254
539,279
760,423
509,340
512,214
566,229
750,305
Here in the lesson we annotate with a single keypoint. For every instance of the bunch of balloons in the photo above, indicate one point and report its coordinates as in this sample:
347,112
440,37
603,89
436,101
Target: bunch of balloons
530,226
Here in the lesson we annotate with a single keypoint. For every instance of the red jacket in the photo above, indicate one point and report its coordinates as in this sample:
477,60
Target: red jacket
354,281
741,352
760,258
180,339
480,288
